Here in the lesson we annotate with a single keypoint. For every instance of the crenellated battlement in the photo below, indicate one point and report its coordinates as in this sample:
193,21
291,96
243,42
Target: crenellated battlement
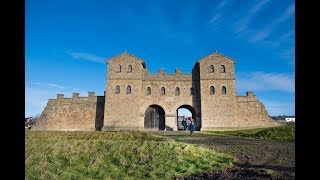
249,97
178,71
76,95
162,76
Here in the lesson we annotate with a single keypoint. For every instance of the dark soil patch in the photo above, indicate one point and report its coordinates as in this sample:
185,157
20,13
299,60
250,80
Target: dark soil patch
257,159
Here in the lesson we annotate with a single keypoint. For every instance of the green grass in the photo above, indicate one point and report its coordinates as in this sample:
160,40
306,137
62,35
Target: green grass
115,155
281,133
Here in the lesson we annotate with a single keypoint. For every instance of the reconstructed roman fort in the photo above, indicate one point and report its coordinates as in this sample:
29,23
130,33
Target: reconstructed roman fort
137,100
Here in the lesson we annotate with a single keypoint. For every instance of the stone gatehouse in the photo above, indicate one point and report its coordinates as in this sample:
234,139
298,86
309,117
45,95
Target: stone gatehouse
137,100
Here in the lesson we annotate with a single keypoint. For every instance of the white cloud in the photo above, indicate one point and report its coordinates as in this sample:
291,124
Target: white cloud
271,27
276,108
262,81
86,56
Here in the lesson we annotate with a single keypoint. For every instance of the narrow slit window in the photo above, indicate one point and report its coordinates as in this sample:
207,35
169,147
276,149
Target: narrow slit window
129,68
211,69
118,69
128,89
223,69
224,90
163,91
177,92
212,91
117,91
148,91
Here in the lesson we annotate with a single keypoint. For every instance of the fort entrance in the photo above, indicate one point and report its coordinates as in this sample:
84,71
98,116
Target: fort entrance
133,97
154,118
179,121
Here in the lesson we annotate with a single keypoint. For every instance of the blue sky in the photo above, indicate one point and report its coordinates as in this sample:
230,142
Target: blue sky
67,43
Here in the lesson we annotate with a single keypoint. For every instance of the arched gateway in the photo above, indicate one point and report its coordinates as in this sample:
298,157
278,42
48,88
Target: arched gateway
154,118
193,115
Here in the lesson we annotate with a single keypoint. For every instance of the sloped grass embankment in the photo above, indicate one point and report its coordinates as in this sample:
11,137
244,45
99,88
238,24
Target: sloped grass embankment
282,133
115,155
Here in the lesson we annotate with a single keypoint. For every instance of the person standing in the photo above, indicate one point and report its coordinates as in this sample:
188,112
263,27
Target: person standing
188,124
184,123
192,126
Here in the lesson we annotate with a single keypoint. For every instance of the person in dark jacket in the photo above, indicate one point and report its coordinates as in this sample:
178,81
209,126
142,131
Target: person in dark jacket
184,123
192,126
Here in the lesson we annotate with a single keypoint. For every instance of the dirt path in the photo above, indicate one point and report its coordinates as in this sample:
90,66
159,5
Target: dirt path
257,159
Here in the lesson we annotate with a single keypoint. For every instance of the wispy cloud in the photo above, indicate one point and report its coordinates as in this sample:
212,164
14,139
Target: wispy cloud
219,11
262,81
243,23
86,56
271,27
49,85
222,4
288,53
258,6
285,38
215,18
286,35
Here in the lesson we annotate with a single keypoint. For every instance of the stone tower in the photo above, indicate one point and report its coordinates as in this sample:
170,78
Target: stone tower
123,91
217,91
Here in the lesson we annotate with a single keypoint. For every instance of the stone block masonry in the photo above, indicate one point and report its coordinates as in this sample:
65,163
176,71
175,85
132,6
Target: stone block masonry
72,114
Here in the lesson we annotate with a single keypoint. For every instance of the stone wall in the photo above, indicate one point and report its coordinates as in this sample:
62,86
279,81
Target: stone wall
71,114
122,109
252,113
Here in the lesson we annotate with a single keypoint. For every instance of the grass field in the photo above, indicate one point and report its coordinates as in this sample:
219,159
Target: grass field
282,133
115,155
267,153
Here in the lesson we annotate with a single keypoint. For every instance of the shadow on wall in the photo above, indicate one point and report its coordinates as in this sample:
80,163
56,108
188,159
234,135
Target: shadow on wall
168,128
99,113
196,101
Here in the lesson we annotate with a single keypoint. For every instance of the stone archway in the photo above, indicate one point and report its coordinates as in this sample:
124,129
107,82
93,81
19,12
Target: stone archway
188,107
154,118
